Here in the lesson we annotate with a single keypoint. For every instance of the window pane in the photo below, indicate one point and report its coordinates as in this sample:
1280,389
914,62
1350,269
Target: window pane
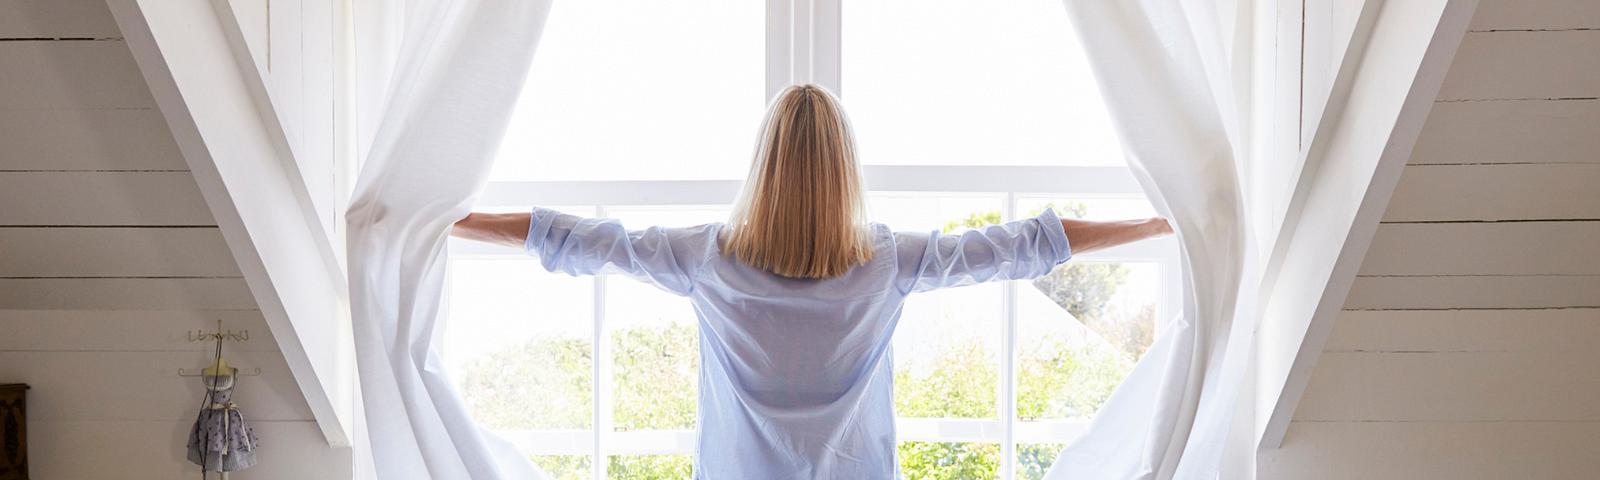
1033,459
1079,331
949,461
649,467
947,342
517,343
1091,208
654,344
640,91
954,82
563,467
1081,327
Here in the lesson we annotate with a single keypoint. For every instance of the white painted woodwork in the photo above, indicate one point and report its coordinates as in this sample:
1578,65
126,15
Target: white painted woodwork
155,391
1535,15
1496,192
125,294
101,198
1353,164
69,74
1537,291
87,139
81,137
1435,451
1533,248
291,44
1537,131
285,79
1329,28
115,252
56,19
129,330
187,59
317,98
309,177
1557,330
145,450
1515,64
253,26
1453,386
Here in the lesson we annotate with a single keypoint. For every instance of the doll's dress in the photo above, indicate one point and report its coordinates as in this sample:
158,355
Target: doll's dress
221,440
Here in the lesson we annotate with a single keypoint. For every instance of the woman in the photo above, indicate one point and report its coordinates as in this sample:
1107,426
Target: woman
798,296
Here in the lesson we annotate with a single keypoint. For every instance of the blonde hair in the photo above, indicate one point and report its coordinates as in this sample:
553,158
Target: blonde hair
802,211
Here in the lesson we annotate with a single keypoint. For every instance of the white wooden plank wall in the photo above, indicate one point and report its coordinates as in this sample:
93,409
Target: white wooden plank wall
108,256
1468,342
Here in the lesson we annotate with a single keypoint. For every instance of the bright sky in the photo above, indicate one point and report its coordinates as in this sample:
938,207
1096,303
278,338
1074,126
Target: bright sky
674,91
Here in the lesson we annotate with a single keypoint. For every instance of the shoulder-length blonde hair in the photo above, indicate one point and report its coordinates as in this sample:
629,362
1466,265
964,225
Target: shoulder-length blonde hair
801,213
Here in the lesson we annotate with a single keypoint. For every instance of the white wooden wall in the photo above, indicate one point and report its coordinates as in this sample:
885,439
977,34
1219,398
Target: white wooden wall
108,256
1468,346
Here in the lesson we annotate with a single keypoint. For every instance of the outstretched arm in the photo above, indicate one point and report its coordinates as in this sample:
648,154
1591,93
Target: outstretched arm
509,229
1087,236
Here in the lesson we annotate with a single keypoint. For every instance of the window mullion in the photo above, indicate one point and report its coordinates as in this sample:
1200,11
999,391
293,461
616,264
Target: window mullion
779,62
825,57
802,44
1008,363
600,361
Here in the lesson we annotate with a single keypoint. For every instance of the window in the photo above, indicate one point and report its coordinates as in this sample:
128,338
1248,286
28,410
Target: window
596,377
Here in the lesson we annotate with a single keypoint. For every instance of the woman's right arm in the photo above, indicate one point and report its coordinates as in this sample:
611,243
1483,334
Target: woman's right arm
508,229
1088,236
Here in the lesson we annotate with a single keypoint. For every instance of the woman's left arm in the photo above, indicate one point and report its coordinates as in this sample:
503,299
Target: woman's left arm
508,229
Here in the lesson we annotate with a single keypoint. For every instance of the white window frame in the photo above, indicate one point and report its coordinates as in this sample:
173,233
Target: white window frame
803,46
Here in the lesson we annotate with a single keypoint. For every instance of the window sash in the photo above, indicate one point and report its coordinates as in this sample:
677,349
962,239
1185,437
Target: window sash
803,46
1012,181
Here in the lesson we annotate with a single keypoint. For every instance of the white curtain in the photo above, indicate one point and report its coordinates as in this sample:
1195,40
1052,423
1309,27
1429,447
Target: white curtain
460,69
1164,72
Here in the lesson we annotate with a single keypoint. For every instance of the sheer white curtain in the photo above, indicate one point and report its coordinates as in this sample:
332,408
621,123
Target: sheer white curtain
1163,70
461,66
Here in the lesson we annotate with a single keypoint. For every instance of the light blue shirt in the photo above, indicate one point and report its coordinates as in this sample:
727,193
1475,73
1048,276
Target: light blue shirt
796,376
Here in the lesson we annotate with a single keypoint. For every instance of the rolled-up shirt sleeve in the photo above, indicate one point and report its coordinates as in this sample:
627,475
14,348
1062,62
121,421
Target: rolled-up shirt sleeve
668,258
1017,250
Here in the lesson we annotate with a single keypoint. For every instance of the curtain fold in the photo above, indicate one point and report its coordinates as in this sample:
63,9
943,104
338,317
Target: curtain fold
461,68
1163,71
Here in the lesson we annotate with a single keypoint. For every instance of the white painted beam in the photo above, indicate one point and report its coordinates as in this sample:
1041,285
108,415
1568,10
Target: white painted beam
1383,92
184,53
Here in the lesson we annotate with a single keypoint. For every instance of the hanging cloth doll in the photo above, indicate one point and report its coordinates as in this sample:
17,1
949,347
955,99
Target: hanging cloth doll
221,441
